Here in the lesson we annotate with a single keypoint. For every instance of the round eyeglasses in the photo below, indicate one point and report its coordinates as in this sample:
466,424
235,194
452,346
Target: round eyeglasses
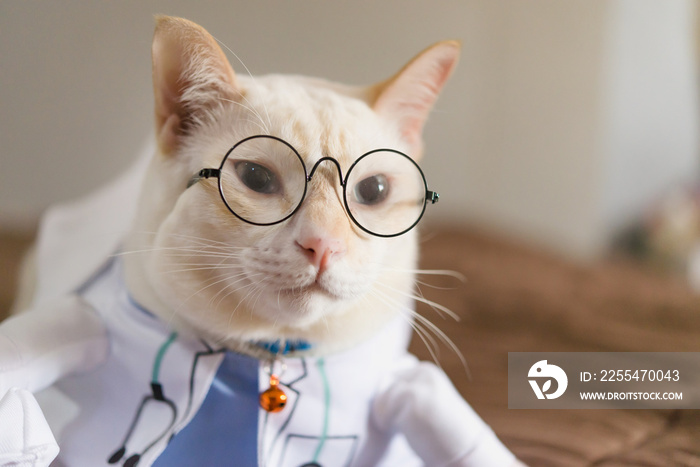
263,181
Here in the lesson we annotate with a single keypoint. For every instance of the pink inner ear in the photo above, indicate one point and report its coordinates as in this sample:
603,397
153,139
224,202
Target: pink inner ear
410,95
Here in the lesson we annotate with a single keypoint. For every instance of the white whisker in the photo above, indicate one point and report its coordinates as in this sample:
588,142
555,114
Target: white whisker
434,305
260,127
250,109
408,315
427,324
212,299
202,255
203,268
433,286
182,250
251,76
200,240
430,272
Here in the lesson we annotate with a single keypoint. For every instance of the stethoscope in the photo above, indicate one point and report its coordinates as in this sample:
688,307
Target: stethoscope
157,396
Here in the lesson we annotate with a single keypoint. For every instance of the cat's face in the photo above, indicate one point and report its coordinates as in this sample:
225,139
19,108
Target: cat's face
316,275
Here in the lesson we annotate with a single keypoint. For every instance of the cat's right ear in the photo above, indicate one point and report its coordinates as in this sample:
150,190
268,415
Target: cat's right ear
408,97
191,75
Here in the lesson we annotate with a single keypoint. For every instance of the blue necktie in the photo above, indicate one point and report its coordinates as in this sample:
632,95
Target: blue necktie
224,432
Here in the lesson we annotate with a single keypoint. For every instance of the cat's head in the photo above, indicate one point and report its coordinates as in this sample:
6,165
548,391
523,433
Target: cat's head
316,275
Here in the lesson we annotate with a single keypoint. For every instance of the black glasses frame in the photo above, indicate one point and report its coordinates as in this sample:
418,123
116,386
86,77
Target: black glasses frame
207,173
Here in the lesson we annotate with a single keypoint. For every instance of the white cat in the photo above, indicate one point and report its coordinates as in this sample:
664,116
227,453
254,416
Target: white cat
270,261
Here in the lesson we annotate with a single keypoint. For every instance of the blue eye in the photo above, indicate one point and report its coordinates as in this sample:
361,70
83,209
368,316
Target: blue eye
372,190
257,177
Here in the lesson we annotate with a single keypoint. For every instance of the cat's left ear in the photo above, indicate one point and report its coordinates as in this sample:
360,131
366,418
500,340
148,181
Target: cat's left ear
409,96
191,76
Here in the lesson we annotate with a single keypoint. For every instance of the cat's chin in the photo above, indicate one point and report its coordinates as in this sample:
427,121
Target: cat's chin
300,307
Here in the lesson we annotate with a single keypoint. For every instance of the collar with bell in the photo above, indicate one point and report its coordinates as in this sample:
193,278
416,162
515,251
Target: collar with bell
274,399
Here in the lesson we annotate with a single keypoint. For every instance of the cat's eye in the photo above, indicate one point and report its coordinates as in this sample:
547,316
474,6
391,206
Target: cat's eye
372,190
384,190
257,177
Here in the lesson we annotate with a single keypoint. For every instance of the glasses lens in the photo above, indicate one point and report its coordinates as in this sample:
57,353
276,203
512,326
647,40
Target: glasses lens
263,180
385,192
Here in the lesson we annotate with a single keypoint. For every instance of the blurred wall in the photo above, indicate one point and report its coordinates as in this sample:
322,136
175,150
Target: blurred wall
563,120
649,105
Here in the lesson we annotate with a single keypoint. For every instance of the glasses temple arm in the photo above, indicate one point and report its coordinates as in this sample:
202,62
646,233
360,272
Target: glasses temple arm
204,173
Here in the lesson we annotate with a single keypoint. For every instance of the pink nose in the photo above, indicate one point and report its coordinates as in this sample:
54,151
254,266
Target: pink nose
321,251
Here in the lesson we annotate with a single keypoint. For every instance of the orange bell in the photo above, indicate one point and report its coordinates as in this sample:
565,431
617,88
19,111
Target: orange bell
273,399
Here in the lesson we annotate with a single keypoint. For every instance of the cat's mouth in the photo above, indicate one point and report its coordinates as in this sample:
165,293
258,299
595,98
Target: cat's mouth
314,288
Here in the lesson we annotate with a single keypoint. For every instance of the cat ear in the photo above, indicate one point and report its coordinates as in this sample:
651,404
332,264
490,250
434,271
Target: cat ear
191,75
409,96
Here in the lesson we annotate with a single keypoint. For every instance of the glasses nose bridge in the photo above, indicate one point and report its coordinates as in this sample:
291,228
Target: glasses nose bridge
324,159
